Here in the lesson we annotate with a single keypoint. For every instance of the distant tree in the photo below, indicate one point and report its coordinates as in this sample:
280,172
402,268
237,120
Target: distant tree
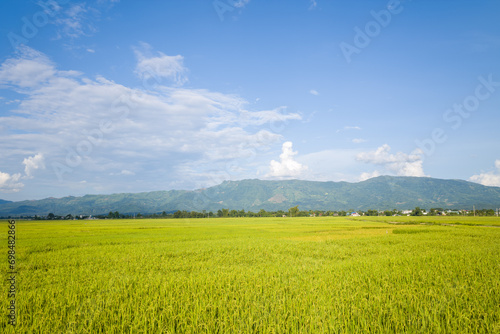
225,212
294,211
417,212
262,213
219,213
51,216
280,213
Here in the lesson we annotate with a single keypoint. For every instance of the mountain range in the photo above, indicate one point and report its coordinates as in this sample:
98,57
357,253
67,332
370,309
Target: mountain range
383,193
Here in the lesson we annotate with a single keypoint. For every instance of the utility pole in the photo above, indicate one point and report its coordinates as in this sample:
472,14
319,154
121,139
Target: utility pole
474,208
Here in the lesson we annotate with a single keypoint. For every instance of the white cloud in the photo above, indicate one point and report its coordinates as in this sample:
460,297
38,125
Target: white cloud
95,126
91,50
313,4
365,176
490,178
400,163
348,128
160,66
314,92
358,140
32,163
287,166
10,183
30,69
77,21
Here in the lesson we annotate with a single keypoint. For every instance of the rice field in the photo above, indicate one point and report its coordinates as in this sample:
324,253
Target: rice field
256,275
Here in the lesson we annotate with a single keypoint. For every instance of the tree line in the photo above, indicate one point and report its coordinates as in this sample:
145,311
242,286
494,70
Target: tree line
291,212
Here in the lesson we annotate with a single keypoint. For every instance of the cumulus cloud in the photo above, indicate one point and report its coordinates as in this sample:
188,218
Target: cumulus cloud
490,178
33,163
155,66
10,183
367,175
287,166
400,163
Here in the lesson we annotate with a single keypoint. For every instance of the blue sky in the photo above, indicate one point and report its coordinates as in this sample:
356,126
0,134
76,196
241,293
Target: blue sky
129,96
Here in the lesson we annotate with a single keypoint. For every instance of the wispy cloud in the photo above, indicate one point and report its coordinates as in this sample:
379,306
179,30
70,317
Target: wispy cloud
358,140
314,92
490,178
349,128
312,4
29,69
76,21
156,66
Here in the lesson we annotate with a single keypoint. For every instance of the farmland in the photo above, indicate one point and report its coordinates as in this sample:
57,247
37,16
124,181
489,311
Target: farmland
259,275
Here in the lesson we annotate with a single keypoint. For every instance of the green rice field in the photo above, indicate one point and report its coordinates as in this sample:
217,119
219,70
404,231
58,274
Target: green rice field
256,275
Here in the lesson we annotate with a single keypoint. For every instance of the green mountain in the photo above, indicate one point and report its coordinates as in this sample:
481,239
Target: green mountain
384,192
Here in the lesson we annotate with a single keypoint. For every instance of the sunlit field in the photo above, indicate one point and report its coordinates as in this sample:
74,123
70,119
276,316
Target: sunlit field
257,275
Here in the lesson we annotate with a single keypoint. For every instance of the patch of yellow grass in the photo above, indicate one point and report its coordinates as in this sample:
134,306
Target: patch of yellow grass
342,234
